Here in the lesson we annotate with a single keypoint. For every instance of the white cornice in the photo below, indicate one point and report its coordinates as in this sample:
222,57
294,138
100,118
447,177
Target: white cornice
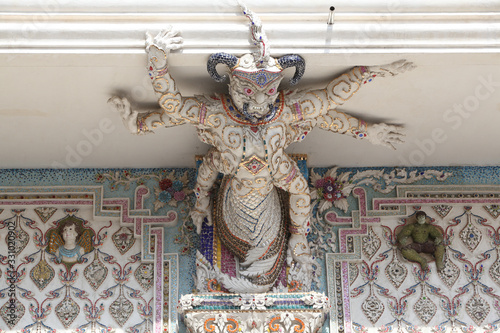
110,27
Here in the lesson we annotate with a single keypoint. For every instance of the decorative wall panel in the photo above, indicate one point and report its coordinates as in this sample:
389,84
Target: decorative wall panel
368,273
132,253
78,259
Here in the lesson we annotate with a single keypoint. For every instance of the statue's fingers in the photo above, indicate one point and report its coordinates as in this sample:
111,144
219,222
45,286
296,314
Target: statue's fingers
174,46
149,38
390,145
399,63
408,66
396,135
164,32
396,128
160,37
175,41
126,102
395,140
114,100
172,33
401,132
117,102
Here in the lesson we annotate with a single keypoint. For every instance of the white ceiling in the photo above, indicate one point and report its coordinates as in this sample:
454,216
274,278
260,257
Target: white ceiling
60,64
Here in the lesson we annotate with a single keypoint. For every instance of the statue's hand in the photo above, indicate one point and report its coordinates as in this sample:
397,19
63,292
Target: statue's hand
392,69
166,40
129,116
386,135
201,211
301,253
404,241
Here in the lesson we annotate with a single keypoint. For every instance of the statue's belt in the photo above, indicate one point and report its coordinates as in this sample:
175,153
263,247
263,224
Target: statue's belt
427,247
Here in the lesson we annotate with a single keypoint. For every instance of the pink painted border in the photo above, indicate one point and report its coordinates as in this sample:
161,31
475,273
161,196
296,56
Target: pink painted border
346,297
158,313
124,203
345,232
402,201
141,193
361,194
48,202
170,218
333,218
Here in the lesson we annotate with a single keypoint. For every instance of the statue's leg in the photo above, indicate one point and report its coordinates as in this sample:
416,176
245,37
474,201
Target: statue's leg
207,174
439,254
413,255
295,184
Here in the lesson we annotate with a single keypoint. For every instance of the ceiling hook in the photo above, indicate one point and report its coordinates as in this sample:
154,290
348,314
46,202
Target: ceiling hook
331,16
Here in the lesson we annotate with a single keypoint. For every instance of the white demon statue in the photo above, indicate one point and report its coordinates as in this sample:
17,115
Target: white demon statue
262,209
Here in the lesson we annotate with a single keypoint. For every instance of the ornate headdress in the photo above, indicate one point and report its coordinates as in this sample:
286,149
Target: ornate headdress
259,68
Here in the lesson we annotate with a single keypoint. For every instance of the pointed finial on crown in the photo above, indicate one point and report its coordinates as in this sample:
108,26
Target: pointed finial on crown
258,37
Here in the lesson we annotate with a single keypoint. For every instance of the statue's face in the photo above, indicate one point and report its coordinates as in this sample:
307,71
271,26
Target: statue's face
69,233
421,219
252,99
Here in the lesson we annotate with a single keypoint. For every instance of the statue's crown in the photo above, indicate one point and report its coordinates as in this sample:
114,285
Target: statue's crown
259,68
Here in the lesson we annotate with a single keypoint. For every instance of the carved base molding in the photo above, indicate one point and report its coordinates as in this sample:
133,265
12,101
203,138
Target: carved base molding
254,313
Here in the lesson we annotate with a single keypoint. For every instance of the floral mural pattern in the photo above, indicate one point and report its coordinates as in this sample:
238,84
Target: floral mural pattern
462,296
113,283
63,296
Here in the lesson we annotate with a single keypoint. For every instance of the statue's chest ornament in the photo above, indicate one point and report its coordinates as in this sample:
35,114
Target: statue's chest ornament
254,164
240,118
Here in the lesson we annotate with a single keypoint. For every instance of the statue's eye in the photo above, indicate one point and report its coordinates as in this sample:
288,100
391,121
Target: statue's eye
271,91
248,91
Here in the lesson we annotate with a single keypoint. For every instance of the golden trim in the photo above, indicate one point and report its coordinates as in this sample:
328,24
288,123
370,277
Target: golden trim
298,157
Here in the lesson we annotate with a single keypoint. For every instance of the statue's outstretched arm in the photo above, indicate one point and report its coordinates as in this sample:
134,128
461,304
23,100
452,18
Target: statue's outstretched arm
379,134
141,121
175,109
320,105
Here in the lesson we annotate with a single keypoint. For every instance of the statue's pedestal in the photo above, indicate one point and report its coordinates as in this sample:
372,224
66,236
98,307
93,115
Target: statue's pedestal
255,313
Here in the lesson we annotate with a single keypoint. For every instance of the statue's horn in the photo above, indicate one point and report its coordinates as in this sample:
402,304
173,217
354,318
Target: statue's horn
293,60
220,58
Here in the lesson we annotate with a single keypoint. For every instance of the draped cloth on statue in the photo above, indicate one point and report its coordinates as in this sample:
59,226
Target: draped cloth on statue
250,235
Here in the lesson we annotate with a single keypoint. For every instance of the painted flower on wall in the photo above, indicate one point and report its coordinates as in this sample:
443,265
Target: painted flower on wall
171,190
332,189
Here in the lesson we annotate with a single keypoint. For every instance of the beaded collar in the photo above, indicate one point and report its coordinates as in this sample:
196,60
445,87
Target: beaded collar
64,252
236,115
